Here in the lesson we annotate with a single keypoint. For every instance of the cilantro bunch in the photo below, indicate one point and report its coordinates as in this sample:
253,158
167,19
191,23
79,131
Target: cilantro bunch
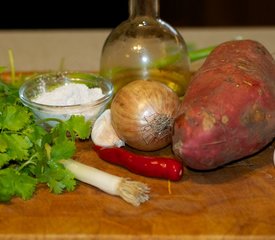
30,155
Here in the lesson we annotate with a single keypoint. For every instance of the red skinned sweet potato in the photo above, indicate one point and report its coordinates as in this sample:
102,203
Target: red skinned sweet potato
228,111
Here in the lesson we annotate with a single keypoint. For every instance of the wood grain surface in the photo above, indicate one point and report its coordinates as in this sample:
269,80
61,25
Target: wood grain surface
233,202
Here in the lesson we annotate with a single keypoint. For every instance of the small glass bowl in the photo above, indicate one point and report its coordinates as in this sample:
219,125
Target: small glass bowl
39,84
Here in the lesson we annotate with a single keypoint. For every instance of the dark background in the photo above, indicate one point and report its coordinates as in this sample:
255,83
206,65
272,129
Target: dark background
108,14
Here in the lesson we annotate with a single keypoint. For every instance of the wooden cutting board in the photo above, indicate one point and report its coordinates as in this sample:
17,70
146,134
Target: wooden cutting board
236,201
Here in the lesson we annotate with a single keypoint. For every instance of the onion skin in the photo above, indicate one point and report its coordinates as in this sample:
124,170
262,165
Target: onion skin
143,114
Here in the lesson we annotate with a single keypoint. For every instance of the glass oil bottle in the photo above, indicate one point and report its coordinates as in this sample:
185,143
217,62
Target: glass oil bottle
145,47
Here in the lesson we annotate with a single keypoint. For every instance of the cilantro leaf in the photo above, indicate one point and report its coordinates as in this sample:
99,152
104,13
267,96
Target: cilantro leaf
24,186
58,178
35,133
75,126
8,94
3,144
78,125
17,146
63,150
12,183
14,117
4,159
6,187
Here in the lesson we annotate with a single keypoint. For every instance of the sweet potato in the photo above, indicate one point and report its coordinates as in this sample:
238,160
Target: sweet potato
228,111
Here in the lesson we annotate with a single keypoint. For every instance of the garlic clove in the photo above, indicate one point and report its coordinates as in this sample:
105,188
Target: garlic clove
103,133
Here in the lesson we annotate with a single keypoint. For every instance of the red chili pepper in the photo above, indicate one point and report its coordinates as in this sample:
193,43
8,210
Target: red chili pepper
149,166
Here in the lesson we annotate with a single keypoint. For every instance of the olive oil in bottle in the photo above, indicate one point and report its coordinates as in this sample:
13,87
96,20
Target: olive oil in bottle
145,47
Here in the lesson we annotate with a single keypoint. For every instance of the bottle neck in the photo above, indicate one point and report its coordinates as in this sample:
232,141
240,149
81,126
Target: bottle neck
148,8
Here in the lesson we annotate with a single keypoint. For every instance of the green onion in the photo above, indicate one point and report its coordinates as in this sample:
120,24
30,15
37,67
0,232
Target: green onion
200,53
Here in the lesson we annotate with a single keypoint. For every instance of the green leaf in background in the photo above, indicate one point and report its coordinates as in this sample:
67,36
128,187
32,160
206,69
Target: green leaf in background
3,69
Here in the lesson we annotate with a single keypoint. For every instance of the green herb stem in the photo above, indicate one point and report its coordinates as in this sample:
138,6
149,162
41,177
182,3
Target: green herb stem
12,67
200,53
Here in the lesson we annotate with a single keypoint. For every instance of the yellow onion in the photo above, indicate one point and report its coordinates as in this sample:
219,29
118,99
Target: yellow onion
143,113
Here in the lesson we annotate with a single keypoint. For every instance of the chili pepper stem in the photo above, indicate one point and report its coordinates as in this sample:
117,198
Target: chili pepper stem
131,191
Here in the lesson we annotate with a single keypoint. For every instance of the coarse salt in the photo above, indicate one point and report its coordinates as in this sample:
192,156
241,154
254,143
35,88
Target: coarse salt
69,94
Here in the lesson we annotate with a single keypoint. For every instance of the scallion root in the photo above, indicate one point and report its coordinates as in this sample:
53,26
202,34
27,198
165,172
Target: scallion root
133,192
